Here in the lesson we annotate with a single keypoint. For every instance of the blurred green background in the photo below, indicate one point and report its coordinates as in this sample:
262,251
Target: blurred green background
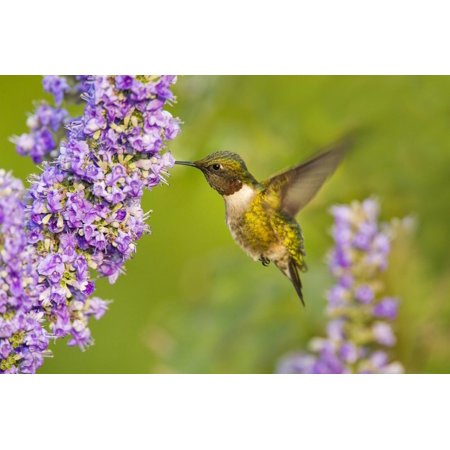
192,302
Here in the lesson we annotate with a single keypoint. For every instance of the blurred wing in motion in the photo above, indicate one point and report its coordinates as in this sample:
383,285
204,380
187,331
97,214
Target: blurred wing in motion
300,184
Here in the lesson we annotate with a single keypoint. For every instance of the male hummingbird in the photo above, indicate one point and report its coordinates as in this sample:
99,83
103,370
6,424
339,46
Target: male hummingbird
261,215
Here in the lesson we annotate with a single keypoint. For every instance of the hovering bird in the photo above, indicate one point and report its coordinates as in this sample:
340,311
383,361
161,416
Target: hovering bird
261,215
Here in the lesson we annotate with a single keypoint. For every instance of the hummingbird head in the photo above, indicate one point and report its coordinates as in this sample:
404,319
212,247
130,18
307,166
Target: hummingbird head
225,172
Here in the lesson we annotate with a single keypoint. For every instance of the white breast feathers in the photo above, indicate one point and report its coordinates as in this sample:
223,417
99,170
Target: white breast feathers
237,203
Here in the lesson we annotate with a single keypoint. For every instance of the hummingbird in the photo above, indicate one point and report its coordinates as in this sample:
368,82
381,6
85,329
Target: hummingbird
261,215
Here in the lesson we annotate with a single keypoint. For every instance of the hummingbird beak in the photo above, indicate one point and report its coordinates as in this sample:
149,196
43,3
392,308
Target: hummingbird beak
186,163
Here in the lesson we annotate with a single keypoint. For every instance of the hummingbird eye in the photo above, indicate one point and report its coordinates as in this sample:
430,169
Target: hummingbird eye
216,166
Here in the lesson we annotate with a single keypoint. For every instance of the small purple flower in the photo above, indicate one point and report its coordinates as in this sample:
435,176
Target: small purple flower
362,240
6,329
340,259
57,86
371,209
379,359
124,82
383,334
96,307
5,348
342,215
335,330
386,308
67,246
342,234
52,267
382,244
81,268
348,352
297,363
346,281
337,295
54,200
364,294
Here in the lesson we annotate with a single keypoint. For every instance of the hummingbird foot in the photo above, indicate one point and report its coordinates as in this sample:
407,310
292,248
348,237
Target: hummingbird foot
265,261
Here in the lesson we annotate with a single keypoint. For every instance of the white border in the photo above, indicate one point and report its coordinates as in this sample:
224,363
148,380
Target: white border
224,412
232,37
229,412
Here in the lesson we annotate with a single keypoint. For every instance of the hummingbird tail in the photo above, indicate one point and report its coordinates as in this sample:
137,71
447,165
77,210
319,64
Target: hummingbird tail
295,279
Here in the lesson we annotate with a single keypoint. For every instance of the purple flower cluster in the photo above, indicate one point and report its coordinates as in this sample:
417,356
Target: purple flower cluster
82,216
57,86
84,212
25,330
359,330
47,123
23,340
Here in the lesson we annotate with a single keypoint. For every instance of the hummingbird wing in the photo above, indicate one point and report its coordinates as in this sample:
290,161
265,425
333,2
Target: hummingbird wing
291,190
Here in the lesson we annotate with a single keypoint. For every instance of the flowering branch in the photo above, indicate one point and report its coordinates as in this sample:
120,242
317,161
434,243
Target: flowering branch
47,123
83,214
23,341
359,329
